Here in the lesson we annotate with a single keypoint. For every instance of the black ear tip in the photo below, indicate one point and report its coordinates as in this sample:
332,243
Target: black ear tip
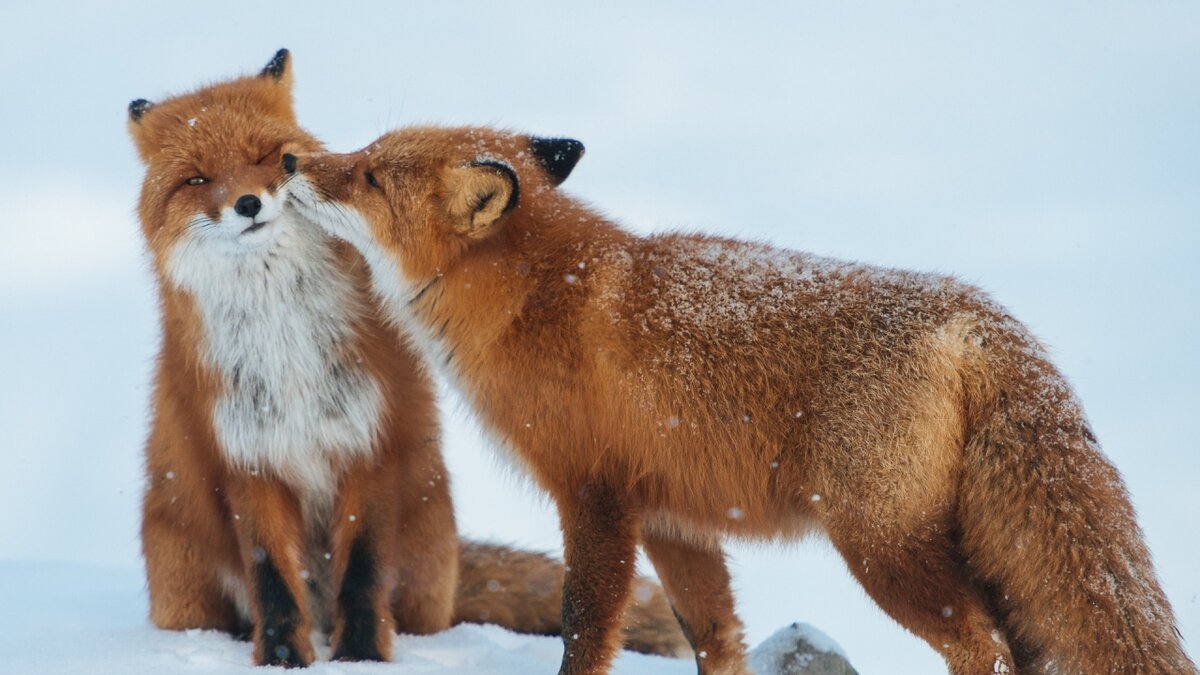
277,66
137,108
557,155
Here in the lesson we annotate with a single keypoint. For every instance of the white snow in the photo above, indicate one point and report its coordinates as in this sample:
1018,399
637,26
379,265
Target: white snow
766,657
66,618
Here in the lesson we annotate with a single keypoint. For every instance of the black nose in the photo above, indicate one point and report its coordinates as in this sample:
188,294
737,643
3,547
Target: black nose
289,162
247,205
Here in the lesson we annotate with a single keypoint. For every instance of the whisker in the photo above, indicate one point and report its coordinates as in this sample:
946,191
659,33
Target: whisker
421,292
287,179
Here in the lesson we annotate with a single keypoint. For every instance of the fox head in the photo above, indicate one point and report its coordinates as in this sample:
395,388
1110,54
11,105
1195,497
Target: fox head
423,196
212,160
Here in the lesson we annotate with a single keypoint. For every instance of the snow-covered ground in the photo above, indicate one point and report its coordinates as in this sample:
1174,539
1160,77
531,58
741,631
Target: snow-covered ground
1048,152
90,620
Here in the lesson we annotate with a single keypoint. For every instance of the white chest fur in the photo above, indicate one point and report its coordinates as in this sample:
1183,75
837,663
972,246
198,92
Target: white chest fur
279,327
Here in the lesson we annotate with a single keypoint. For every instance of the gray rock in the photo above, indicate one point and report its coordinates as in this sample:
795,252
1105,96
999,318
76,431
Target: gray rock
799,649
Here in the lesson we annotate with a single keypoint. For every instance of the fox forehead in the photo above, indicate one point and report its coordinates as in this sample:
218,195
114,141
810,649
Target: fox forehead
215,160
226,115
218,138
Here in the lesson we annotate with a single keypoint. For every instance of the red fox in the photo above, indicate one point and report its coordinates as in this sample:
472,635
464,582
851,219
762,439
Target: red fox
676,389
294,475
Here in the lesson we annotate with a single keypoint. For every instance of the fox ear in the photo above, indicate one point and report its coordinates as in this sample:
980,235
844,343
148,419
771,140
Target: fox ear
558,156
277,93
138,108
478,195
140,134
279,68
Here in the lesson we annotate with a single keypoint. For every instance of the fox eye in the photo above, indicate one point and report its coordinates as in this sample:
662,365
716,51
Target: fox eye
370,176
197,180
270,153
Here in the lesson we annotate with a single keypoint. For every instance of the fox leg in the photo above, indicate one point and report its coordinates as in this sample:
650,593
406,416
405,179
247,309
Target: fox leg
395,560
271,537
918,579
183,564
363,626
697,584
362,543
600,533
427,558
193,570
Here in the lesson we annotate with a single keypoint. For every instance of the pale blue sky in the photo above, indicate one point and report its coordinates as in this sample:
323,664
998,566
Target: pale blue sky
1050,154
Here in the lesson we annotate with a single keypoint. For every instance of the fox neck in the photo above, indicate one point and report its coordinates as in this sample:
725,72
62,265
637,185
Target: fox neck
278,329
461,312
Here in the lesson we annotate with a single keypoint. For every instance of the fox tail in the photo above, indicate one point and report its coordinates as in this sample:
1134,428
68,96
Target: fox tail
1048,526
522,591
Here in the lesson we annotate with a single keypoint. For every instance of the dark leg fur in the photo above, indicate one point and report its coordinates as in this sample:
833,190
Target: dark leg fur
356,605
280,617
600,536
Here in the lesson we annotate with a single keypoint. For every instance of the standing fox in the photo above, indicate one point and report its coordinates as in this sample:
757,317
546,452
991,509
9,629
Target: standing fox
294,476
676,389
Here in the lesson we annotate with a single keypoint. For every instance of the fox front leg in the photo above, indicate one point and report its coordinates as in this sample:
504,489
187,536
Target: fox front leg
600,533
270,535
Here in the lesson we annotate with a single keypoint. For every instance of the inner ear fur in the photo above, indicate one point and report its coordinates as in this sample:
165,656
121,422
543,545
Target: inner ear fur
478,195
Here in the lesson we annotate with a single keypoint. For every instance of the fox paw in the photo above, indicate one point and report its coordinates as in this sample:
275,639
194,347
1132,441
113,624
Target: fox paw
283,653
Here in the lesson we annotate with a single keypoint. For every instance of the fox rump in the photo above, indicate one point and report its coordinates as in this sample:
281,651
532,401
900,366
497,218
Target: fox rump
294,473
672,390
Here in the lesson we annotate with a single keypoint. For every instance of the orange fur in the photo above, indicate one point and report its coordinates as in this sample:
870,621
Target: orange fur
678,389
308,525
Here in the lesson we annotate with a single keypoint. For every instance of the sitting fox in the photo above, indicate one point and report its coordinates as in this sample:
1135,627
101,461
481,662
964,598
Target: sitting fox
294,471
676,389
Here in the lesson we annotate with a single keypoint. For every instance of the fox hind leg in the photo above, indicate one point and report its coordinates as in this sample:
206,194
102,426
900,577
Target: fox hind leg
918,579
427,560
426,553
193,570
697,583
186,589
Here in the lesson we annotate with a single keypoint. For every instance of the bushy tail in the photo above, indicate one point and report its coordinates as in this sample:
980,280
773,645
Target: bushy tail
522,591
1048,525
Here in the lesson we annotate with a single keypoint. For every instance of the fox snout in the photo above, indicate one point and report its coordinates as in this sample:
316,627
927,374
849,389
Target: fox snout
306,163
310,165
326,174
